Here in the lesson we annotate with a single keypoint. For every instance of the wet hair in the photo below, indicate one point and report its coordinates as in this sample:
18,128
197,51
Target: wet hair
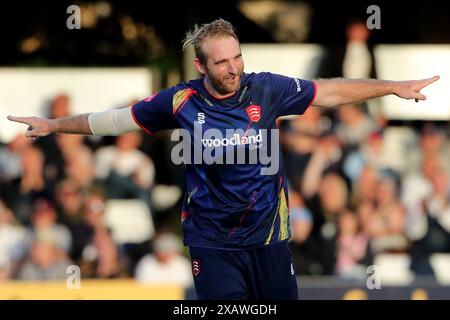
196,37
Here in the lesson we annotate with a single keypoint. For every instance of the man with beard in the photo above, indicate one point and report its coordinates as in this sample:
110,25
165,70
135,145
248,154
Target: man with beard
235,216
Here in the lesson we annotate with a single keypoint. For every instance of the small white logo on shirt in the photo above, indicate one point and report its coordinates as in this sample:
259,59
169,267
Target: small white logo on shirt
297,81
195,266
201,118
292,268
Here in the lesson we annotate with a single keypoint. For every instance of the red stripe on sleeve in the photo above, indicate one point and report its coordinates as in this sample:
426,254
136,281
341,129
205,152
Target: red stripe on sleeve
140,124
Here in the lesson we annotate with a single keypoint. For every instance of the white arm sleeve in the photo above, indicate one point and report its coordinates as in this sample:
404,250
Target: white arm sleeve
112,122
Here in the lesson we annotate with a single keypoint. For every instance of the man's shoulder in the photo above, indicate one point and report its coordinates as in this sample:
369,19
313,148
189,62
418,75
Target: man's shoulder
193,84
256,76
172,90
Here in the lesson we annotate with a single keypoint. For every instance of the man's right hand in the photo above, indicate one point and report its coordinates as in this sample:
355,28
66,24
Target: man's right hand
37,127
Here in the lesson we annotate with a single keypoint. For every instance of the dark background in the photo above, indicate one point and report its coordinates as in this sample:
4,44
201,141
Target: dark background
401,22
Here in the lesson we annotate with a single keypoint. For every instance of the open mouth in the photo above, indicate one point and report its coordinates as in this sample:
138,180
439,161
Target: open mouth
232,80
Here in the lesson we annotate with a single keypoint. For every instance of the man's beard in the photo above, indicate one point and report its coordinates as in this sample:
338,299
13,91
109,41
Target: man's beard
221,87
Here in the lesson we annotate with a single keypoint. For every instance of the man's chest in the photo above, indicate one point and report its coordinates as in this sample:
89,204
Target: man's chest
250,113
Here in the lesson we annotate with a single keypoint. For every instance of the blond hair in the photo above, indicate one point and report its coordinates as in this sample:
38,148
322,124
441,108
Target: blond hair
216,28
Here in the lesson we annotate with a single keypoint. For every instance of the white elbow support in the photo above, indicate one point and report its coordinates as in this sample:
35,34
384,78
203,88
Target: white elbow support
112,122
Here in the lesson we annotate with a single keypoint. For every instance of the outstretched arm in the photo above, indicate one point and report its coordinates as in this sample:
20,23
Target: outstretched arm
106,123
335,92
40,127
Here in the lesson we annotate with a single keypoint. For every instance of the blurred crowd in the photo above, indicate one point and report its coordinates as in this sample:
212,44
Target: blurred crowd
53,201
361,187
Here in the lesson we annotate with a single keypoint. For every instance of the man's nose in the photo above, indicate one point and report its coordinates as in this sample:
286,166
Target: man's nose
232,68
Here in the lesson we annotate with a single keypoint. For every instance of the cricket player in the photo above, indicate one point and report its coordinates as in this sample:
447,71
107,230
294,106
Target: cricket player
235,215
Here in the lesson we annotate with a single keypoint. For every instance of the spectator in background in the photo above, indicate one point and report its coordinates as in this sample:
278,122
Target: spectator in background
69,204
327,157
355,59
59,107
166,265
94,207
381,214
333,196
11,159
365,211
354,125
298,138
388,188
432,142
78,159
365,186
301,218
351,246
389,229
433,158
46,260
21,192
69,144
44,218
100,258
326,203
430,230
69,200
417,187
13,243
125,170
359,58
371,152
438,204
304,244
54,161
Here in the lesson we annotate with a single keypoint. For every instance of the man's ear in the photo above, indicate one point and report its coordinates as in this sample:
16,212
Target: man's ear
199,66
